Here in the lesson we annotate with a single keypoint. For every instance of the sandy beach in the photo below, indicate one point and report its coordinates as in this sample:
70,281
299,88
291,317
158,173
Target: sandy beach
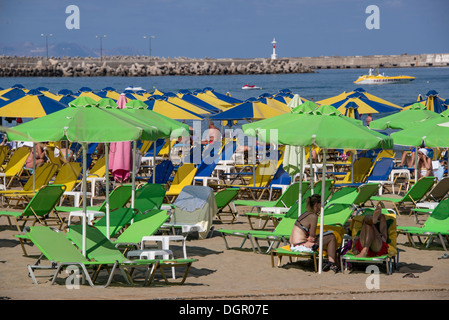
221,274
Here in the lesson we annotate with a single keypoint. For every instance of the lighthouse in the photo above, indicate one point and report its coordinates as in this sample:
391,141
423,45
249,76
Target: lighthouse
273,55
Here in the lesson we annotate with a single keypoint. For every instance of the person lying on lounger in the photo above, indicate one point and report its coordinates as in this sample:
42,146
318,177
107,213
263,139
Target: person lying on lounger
304,237
372,240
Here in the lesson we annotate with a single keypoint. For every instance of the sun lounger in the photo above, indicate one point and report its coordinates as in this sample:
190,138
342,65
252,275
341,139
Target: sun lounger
436,225
390,260
286,252
225,198
15,165
61,253
98,247
414,195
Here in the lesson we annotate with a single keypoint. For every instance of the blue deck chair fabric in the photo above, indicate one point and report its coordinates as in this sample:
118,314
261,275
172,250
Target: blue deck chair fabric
163,172
380,173
159,145
228,150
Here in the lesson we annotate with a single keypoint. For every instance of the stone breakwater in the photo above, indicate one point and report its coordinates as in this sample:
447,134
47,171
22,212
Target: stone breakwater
140,66
135,67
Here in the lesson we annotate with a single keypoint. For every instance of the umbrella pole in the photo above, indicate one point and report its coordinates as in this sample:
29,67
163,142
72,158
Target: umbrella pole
352,165
323,182
154,162
133,193
312,175
106,154
34,167
301,177
84,144
416,164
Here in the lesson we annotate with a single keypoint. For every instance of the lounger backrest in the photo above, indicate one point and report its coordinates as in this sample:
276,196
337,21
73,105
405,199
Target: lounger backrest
441,190
361,168
118,198
381,170
42,176
44,200
68,175
163,172
185,174
98,247
118,219
419,189
99,168
439,218
365,192
148,197
345,195
337,214
285,226
143,225
225,196
54,245
291,194
17,161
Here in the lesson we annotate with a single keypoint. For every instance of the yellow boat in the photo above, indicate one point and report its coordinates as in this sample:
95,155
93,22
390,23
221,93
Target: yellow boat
382,79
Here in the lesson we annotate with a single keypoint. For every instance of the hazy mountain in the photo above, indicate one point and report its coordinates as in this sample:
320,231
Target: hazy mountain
61,49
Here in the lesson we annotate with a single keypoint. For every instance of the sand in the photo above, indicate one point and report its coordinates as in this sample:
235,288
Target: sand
221,274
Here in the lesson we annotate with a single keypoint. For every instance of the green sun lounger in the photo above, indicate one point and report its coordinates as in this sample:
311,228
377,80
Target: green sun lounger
436,225
118,198
284,227
61,253
143,225
38,208
286,200
118,220
149,197
225,198
413,195
98,247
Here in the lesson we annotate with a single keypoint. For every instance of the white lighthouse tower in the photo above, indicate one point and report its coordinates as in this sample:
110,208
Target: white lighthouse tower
274,55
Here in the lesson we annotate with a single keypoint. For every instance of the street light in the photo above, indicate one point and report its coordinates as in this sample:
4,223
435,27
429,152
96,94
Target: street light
46,40
101,45
149,42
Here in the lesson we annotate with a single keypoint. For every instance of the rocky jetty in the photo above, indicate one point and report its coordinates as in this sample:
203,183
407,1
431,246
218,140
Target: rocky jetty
142,67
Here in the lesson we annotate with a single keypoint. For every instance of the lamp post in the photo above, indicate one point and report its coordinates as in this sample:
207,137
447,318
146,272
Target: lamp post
101,45
46,40
149,42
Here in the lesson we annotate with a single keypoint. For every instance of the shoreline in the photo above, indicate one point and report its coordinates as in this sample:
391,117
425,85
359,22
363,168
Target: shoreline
141,66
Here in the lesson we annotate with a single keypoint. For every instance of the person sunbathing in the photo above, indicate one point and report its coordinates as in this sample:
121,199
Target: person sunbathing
372,240
304,237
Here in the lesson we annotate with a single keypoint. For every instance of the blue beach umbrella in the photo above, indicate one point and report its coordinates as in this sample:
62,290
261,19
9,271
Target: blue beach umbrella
33,105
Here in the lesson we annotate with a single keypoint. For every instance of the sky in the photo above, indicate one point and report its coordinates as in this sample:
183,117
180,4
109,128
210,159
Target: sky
233,29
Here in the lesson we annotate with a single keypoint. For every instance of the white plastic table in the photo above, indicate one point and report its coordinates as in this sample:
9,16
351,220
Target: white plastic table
90,214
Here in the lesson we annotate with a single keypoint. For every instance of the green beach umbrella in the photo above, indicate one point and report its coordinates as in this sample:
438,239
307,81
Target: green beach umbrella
82,102
404,119
432,133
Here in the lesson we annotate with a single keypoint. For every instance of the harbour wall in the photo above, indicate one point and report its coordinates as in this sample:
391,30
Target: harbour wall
145,66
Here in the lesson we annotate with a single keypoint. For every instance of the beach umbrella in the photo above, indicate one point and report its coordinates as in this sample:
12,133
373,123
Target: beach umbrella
187,96
160,105
33,105
212,100
358,102
405,118
120,152
223,97
325,131
249,110
432,133
11,94
433,102
88,92
354,93
174,99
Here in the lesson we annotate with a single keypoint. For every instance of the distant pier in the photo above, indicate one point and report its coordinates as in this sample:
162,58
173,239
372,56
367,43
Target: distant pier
141,66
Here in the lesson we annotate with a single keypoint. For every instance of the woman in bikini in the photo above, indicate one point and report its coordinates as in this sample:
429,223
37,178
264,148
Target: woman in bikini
304,232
